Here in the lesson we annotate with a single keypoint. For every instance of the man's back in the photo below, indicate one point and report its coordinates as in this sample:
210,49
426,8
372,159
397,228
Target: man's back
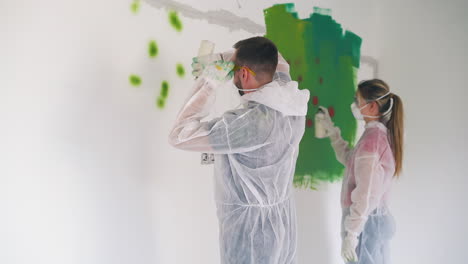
261,176
253,185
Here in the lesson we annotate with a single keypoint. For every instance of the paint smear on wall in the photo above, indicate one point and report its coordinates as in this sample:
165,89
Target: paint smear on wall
164,93
152,49
180,70
175,21
135,6
324,60
135,80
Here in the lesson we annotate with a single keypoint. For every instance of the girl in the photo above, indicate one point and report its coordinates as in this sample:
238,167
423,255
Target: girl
367,225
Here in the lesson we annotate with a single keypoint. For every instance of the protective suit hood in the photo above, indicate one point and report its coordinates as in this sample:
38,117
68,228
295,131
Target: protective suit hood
283,97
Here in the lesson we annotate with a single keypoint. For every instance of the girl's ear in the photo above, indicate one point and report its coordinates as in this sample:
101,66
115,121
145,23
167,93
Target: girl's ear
375,106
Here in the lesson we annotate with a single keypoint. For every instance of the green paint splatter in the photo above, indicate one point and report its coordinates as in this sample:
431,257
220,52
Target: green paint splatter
180,70
175,21
164,89
152,49
328,63
135,80
160,102
135,6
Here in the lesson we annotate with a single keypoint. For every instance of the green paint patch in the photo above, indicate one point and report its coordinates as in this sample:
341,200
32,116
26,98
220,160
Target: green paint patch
163,94
180,70
175,21
152,49
135,6
164,89
160,102
324,61
135,80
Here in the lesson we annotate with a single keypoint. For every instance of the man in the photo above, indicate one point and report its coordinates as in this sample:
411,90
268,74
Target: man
256,149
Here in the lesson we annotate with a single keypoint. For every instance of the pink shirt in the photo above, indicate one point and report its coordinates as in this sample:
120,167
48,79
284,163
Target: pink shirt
370,167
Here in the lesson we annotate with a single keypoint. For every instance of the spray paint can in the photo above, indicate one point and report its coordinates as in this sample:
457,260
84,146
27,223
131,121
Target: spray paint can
320,131
206,48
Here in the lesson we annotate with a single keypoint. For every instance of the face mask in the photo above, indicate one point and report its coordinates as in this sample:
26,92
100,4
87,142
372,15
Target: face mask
388,114
357,111
359,116
242,91
249,90
238,87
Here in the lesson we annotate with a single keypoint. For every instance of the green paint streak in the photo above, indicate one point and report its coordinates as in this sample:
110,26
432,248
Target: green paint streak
135,6
135,80
152,49
180,70
175,21
164,89
160,102
318,50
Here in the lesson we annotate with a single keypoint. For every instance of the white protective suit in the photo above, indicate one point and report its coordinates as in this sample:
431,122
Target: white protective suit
366,187
256,149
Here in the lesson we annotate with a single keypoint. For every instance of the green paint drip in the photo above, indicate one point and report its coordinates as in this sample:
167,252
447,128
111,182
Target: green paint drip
175,21
180,70
135,80
164,89
152,49
135,6
326,65
161,100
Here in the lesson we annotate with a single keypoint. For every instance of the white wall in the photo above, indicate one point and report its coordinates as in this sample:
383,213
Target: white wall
74,141
423,57
87,176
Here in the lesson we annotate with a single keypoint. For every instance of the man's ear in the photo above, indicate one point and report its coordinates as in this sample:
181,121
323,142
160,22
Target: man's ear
244,73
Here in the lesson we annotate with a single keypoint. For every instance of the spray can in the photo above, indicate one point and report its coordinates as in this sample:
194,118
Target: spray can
206,48
320,131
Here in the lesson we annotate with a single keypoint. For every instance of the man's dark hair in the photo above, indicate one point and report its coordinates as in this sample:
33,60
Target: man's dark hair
259,54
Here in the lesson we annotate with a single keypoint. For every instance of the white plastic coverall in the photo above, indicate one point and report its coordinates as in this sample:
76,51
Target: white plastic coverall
256,149
366,187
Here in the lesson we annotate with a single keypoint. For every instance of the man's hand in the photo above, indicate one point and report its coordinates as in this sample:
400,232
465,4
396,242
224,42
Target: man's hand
219,70
200,63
